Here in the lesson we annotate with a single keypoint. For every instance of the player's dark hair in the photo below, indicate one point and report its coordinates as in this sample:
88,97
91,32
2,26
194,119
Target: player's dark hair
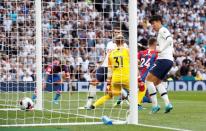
155,18
152,41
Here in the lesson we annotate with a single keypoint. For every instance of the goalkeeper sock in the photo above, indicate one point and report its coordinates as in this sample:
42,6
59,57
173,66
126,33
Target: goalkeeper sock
58,94
153,92
102,100
163,92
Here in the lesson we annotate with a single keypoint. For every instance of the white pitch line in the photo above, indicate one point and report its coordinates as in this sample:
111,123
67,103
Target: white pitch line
163,127
50,124
86,116
9,109
89,123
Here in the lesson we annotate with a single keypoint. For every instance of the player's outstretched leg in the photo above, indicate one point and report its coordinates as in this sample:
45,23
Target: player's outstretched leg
110,93
163,92
101,101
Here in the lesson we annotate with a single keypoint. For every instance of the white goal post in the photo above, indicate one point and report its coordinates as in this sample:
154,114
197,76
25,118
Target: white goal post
133,118
39,83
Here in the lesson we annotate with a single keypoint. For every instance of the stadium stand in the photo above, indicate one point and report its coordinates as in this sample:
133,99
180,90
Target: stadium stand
84,41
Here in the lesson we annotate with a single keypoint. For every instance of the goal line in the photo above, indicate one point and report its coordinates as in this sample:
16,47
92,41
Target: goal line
81,123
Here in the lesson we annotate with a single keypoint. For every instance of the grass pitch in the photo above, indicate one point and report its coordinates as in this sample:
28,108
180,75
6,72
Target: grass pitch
189,113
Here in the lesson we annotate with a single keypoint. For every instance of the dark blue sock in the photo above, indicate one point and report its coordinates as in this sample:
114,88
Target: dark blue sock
58,92
33,97
146,100
56,96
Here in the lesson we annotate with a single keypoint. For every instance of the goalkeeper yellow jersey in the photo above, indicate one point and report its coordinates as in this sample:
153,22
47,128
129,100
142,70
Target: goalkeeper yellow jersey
119,63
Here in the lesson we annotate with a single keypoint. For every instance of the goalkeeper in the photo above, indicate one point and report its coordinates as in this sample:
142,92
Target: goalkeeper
146,60
101,71
118,71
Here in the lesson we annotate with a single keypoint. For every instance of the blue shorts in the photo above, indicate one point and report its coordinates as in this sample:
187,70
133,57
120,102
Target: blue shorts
53,78
101,74
161,68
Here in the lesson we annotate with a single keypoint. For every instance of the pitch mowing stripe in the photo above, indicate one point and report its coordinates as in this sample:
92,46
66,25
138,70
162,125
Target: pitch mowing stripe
164,127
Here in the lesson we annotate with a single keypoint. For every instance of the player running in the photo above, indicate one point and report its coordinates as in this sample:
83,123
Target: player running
162,65
118,71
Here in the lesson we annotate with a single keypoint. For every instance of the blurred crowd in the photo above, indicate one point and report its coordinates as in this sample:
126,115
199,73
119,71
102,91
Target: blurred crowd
76,32
186,20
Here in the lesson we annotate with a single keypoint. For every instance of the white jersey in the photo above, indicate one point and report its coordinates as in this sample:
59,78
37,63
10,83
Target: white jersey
165,44
110,46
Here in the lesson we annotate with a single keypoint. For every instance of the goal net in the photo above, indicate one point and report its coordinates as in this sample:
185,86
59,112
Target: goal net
49,52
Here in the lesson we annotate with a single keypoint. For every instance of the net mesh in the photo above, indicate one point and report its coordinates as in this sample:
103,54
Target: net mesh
75,35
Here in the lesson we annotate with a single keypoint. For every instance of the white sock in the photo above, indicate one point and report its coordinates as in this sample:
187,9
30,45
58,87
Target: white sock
153,92
91,95
89,102
124,93
163,92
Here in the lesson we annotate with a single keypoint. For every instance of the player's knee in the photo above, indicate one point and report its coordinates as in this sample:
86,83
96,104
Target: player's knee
157,82
150,77
116,93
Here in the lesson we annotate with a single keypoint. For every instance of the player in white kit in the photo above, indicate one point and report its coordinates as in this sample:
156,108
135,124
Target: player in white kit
162,65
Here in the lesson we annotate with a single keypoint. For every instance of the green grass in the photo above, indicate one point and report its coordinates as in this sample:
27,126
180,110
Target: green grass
189,113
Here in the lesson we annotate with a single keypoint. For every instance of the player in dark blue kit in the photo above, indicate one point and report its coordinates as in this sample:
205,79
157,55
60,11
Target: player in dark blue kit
146,59
55,72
